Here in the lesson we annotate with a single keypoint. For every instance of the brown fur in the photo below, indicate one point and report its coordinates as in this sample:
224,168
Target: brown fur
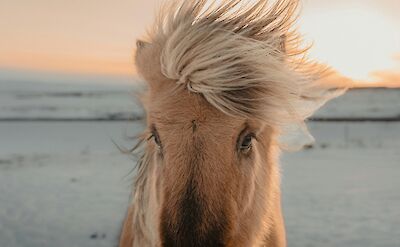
214,76
243,190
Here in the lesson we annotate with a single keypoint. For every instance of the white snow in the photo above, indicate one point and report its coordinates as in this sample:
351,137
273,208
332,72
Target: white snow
342,197
27,100
63,184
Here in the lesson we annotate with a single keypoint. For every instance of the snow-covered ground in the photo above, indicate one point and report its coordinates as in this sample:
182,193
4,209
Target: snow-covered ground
46,100
343,196
66,183
62,184
41,100
364,103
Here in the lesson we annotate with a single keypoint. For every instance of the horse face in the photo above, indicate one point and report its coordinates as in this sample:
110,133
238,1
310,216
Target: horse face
206,164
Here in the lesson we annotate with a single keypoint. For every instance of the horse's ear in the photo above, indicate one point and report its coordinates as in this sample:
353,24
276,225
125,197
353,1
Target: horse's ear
141,44
147,60
140,47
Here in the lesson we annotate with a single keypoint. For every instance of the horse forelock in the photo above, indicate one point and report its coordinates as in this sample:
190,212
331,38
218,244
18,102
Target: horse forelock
246,59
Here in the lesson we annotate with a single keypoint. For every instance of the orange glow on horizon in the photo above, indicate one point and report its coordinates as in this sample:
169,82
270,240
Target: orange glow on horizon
64,64
357,38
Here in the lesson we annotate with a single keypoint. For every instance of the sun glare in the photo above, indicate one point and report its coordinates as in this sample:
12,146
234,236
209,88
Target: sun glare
356,40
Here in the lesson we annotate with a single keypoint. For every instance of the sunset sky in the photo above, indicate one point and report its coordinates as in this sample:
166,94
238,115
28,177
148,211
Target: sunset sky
359,38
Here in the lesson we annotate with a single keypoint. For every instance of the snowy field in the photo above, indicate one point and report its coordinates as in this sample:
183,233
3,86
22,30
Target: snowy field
64,183
27,100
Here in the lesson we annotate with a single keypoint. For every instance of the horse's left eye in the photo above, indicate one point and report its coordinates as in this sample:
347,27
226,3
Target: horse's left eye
155,136
246,143
156,139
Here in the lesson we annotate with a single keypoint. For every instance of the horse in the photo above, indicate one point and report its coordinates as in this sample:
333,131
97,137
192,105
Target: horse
224,81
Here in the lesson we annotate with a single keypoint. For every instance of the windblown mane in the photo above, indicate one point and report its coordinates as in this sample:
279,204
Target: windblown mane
246,59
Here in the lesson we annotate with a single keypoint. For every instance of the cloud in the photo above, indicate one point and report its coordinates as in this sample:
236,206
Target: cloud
388,78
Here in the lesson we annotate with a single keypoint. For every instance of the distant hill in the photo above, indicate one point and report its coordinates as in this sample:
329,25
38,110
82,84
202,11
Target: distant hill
363,104
24,100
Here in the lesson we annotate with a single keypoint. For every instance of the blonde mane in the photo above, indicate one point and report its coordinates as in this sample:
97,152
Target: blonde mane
246,59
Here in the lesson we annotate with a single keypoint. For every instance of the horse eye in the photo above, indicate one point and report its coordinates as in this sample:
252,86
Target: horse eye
246,143
155,137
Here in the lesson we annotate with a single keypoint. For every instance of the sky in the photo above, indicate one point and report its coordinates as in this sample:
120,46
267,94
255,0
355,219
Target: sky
358,38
